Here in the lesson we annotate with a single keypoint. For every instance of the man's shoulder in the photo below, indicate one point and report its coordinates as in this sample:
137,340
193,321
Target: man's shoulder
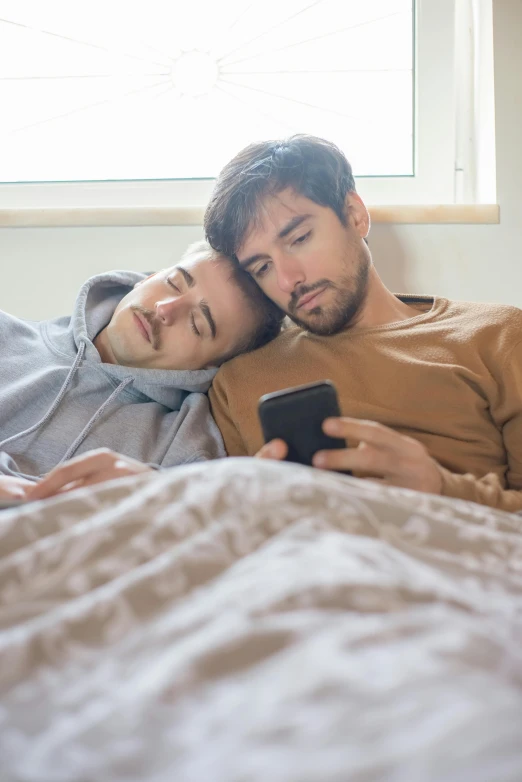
497,328
13,324
487,316
487,310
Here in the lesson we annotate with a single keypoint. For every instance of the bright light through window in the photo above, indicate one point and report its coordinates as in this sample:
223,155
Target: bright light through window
108,89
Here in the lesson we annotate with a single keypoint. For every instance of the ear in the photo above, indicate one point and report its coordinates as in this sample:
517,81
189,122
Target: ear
140,282
357,213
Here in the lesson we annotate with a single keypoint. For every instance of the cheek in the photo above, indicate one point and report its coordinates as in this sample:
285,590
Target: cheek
270,286
179,351
179,337
272,290
319,260
122,324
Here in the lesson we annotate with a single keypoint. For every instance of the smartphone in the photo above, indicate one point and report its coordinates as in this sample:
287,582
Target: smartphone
296,415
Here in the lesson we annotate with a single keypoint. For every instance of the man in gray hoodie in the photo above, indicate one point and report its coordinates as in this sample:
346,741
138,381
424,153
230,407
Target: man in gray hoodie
128,371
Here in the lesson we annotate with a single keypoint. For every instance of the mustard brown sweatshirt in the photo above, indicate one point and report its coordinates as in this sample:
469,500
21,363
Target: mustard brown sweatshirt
449,376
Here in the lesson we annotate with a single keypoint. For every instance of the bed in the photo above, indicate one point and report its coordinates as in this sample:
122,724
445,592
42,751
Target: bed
246,620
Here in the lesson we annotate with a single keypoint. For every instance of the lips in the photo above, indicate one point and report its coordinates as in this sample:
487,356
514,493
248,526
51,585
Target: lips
143,326
308,302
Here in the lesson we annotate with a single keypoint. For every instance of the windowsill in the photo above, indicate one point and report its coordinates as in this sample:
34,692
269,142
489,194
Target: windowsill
61,217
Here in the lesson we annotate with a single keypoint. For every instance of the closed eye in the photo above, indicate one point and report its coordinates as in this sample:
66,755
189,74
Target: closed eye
172,285
194,327
261,270
303,238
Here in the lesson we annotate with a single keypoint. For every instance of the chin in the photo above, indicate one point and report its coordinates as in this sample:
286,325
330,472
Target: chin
322,323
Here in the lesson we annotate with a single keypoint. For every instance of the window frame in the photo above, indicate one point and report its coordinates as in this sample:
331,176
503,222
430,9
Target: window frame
433,181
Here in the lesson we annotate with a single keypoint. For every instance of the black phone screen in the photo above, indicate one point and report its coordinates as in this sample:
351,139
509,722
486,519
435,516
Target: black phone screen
296,415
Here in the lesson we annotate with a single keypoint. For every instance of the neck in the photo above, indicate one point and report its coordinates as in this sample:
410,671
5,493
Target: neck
102,345
381,306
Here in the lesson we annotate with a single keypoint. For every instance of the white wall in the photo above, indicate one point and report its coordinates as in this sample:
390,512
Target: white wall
42,268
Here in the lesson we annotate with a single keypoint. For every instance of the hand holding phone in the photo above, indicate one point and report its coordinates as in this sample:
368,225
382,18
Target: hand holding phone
296,416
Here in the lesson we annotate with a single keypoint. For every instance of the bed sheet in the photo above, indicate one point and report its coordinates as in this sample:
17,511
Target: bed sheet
246,620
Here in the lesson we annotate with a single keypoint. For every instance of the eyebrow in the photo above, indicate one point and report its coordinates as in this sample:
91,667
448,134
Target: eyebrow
189,279
287,229
203,305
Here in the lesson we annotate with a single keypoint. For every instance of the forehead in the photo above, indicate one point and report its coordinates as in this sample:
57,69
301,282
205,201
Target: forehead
200,264
273,213
214,282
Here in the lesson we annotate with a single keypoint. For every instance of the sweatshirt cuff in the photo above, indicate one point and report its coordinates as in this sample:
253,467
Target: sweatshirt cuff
462,487
487,490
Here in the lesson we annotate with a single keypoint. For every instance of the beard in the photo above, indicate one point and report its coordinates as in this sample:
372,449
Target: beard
350,293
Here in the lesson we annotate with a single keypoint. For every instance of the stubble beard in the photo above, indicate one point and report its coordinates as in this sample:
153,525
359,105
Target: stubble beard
350,295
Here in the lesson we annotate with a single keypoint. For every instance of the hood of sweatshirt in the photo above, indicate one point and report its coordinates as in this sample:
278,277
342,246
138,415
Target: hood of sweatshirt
59,395
94,307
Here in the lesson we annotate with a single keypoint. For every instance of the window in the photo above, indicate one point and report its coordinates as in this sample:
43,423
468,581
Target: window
142,103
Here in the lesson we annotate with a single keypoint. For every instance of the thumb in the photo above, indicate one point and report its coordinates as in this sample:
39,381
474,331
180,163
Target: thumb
275,449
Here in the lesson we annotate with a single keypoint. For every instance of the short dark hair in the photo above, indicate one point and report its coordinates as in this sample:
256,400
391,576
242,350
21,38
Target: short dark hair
312,166
269,316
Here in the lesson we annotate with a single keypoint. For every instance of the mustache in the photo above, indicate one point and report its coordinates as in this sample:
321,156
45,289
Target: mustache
153,322
304,290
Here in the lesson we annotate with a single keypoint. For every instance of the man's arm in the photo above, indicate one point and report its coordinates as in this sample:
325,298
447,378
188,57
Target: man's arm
220,408
397,460
383,455
506,411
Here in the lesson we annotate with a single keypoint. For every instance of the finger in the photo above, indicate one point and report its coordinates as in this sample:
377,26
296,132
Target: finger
120,470
90,480
14,488
275,449
75,470
13,493
365,459
370,432
69,487
94,478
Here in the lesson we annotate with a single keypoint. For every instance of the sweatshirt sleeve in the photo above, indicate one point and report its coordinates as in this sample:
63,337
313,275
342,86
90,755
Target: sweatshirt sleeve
506,411
219,404
487,490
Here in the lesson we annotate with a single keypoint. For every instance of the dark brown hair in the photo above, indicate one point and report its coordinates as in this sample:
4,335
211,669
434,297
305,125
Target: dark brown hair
313,167
269,317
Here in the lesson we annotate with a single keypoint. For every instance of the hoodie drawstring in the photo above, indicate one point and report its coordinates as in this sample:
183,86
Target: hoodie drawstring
85,431
55,404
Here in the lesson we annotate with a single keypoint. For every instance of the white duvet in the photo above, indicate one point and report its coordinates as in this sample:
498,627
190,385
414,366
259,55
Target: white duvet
243,621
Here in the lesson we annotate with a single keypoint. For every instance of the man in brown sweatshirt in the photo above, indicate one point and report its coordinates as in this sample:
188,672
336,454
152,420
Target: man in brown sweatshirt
430,389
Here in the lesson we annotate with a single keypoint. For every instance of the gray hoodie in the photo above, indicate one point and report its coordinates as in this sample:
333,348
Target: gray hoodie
58,399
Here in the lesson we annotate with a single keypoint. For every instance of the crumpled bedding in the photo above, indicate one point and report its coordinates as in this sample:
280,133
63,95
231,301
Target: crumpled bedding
246,620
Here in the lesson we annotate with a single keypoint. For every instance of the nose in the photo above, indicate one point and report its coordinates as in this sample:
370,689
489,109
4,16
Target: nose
289,272
169,309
